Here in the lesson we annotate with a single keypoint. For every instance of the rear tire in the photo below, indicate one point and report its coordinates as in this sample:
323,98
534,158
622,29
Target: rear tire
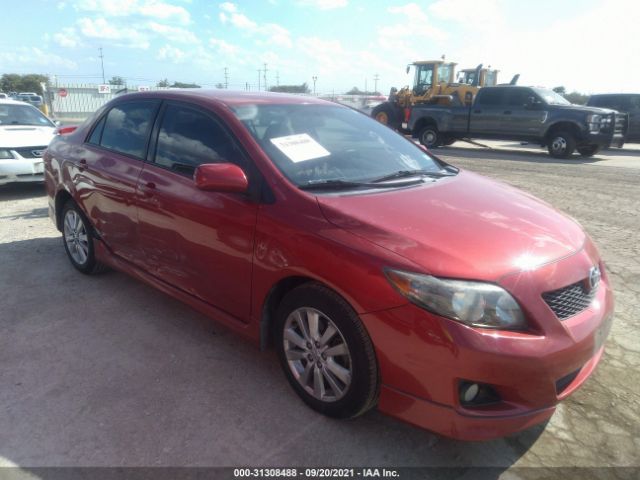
325,352
561,144
429,136
78,241
589,150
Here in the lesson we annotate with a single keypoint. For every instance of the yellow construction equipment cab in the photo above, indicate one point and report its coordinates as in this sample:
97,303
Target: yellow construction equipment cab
487,77
434,83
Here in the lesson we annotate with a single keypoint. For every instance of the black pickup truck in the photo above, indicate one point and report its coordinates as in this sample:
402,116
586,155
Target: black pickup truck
528,114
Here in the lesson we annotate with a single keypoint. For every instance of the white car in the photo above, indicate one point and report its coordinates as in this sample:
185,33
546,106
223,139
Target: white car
25,133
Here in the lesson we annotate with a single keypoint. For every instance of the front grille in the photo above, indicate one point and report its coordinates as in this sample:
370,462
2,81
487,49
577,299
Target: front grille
28,152
568,301
620,124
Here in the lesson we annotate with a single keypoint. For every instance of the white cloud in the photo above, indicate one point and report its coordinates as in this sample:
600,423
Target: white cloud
223,47
269,33
67,38
174,34
171,54
101,29
157,9
33,57
323,4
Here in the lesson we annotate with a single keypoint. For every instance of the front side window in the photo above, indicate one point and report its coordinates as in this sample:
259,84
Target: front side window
490,97
11,114
551,98
318,143
188,138
518,97
127,126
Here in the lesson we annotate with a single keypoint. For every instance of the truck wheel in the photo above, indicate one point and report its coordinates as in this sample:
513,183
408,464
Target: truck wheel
429,136
589,150
385,114
561,144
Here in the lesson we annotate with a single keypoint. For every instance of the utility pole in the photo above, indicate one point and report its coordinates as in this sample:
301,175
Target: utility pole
265,77
376,77
226,78
246,86
102,65
259,79
365,86
315,79
277,78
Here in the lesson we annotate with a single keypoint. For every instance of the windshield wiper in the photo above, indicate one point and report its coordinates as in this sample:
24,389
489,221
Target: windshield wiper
412,173
337,184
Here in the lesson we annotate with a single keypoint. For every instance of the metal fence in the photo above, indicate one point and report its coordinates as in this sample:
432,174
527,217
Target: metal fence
75,102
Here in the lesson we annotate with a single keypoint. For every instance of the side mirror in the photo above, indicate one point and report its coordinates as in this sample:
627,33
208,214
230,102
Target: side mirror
221,177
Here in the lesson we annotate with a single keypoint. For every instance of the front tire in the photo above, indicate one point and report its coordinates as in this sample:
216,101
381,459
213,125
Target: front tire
429,136
78,241
589,150
561,144
325,352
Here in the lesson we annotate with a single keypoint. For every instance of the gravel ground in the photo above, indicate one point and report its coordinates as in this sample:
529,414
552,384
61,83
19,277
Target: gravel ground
104,371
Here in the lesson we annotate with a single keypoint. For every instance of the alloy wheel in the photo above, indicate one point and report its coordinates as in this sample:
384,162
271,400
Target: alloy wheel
75,236
317,354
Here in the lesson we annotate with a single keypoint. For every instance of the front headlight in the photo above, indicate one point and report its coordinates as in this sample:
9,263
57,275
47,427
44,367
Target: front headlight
5,154
472,303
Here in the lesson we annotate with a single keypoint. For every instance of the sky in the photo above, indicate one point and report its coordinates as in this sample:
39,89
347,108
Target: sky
591,46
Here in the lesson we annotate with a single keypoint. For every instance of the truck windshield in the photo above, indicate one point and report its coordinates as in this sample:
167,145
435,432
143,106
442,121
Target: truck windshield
311,144
551,97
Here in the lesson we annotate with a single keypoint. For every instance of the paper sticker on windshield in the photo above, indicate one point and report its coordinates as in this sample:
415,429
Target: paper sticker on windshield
300,148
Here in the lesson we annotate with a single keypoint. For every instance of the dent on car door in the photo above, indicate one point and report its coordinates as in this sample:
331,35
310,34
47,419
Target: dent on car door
198,241
110,163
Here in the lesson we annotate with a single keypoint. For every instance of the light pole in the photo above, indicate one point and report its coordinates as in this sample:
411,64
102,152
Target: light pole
315,79
102,65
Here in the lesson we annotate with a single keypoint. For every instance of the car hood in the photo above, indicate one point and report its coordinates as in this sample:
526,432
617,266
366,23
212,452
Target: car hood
16,136
467,226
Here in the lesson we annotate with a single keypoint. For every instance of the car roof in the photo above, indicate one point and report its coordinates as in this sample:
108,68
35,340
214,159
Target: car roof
8,101
229,97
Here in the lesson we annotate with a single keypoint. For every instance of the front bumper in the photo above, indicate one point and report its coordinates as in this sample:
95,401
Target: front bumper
21,170
424,357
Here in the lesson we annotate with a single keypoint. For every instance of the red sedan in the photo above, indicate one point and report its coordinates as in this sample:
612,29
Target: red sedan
382,275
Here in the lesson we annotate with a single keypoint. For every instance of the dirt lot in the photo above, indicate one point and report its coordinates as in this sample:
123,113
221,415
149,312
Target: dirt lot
106,371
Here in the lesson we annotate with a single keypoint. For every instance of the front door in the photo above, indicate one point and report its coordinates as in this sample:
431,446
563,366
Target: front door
199,241
520,118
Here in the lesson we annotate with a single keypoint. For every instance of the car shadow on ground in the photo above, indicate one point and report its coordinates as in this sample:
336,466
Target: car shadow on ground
104,370
515,155
19,191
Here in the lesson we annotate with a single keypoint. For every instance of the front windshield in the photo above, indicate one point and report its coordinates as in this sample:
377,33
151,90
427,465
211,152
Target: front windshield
552,98
22,115
320,143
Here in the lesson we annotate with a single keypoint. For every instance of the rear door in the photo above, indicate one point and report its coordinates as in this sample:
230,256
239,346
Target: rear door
108,167
198,241
520,118
486,112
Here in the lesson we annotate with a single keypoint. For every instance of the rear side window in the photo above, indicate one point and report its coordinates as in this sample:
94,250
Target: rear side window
188,138
96,134
491,96
127,126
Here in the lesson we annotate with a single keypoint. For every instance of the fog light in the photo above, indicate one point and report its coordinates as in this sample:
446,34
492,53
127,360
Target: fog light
476,394
469,392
